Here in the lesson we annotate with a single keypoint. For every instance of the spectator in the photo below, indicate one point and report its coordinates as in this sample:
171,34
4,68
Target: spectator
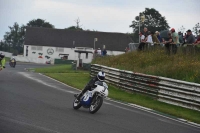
149,39
158,36
145,33
126,49
190,39
142,41
104,52
180,37
184,38
168,43
154,38
198,39
99,51
175,39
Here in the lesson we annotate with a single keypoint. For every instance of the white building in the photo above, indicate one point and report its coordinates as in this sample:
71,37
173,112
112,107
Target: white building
43,44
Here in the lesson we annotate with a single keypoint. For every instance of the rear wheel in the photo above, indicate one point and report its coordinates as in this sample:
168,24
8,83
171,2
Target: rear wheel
76,104
95,106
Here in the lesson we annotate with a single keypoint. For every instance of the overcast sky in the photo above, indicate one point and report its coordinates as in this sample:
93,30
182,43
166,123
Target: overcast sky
100,15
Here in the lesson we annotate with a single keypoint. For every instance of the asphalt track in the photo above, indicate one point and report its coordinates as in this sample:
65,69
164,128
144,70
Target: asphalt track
33,103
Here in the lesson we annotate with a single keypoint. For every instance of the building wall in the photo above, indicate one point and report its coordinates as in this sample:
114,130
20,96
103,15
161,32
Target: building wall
53,52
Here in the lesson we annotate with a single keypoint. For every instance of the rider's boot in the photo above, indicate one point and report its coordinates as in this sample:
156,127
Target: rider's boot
78,96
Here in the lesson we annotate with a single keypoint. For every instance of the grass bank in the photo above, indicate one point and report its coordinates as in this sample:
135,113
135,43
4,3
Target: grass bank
79,78
182,66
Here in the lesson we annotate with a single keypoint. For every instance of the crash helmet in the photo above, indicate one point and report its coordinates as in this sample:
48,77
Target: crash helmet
101,76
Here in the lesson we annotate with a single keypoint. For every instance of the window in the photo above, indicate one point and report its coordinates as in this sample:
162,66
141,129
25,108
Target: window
33,48
38,48
59,49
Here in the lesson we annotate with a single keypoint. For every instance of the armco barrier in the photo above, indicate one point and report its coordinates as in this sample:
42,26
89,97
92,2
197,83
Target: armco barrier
176,92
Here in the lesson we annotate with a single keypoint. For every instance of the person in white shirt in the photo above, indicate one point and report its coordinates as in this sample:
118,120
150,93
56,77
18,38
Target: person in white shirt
99,51
149,39
142,40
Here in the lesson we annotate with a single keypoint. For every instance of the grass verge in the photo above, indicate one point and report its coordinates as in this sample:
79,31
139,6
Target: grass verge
78,79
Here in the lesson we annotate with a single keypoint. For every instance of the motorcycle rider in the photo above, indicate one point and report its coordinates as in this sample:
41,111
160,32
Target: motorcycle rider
12,60
2,61
91,84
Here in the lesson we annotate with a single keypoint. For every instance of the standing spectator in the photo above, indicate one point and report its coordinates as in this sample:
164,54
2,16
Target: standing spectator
175,39
149,39
104,52
145,33
190,39
158,36
126,49
180,37
154,37
168,44
142,41
99,51
198,39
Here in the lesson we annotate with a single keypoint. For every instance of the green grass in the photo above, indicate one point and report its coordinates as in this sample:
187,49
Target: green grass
7,59
78,79
58,69
181,66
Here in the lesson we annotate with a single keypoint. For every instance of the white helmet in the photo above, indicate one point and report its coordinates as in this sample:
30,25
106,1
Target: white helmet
101,76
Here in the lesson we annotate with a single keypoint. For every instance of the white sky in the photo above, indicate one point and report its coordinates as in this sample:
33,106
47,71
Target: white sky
100,15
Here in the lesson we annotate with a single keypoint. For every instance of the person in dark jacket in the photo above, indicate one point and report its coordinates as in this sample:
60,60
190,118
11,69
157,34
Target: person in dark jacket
104,52
190,38
99,77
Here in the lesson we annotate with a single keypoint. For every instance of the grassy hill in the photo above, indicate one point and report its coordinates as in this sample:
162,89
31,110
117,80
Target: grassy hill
183,65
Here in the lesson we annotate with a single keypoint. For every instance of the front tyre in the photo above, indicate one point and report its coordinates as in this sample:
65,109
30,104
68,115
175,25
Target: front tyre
76,104
95,106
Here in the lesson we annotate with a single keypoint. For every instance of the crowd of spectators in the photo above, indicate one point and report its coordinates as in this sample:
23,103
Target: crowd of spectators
174,39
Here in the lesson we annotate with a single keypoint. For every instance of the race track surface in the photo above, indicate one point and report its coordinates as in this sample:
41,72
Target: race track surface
33,103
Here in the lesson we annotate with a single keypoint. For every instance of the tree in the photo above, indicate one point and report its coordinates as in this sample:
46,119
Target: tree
182,29
154,21
14,39
73,28
196,29
77,27
39,23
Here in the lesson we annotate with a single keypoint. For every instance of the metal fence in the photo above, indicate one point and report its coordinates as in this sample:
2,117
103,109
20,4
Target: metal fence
176,92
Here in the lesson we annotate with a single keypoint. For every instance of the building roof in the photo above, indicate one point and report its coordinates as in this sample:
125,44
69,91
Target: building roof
64,38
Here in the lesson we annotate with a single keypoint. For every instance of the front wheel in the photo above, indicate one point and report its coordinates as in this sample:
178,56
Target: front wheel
95,106
76,104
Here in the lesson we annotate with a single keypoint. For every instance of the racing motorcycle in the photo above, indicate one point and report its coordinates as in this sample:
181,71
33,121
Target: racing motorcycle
12,63
92,99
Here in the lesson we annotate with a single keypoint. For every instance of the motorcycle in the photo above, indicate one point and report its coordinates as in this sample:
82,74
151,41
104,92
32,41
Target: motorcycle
12,63
92,99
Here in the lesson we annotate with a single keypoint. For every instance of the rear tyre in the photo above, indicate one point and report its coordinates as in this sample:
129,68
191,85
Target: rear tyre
76,104
95,106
